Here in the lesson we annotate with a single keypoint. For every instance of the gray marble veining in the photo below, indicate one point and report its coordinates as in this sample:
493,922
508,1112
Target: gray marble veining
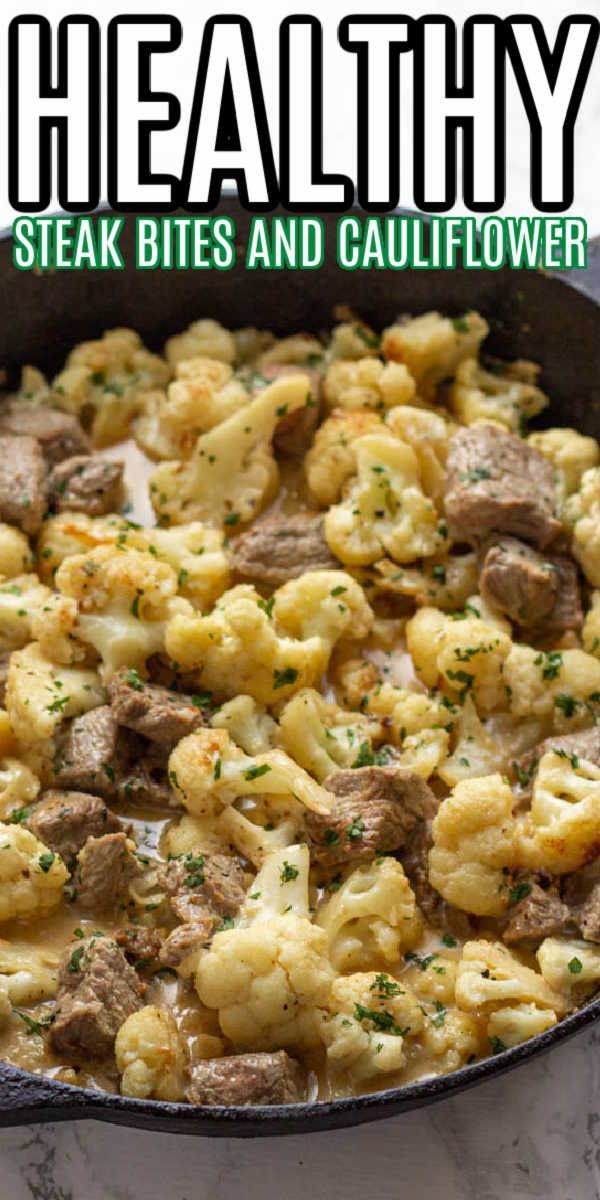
532,1135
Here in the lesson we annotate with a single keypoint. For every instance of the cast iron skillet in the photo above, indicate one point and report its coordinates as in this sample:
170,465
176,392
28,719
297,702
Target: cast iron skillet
553,320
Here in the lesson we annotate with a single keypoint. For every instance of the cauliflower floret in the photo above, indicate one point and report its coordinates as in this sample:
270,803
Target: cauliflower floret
125,600
248,724
428,433
197,555
206,338
232,473
474,846
432,346
105,378
508,398
31,876
571,455
191,834
209,771
20,600
561,832
269,977
18,786
556,684
582,513
321,736
424,752
330,605
299,349
591,626
53,626
332,457
76,533
237,648
203,393
257,833
451,1038
29,973
40,695
446,582
490,977
469,654
518,1023
352,338
367,383
15,553
476,752
385,509
370,1017
371,918
150,1055
569,966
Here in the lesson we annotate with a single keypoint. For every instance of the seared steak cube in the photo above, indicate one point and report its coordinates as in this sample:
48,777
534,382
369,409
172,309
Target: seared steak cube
581,892
198,883
64,821
59,434
537,915
244,1079
92,755
498,483
281,548
155,712
23,491
139,943
533,589
186,939
375,810
105,867
86,484
97,991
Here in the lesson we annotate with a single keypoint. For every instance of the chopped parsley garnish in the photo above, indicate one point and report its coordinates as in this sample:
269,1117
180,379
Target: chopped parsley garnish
282,678
355,831
33,1026
497,1044
385,986
46,860
217,769
331,837
232,518
256,772
567,704
575,966
518,892
75,959
202,699
460,324
133,679
448,940
381,1020
288,872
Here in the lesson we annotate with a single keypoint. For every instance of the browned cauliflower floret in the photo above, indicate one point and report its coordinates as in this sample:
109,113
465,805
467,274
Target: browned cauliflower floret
561,832
203,393
40,695
31,875
321,736
367,383
474,846
433,346
508,397
204,338
371,918
150,1055
371,1016
332,457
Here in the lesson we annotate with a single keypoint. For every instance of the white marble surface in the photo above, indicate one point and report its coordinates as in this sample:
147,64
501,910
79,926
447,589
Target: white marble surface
532,1135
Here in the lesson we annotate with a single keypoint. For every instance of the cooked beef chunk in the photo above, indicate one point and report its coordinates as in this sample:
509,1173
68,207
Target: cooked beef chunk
97,991
581,892
584,744
23,492
59,434
139,943
4,665
498,483
531,588
281,548
294,431
156,713
105,867
414,857
145,780
92,755
243,1079
539,914
375,810
198,883
86,484
186,939
167,674
65,820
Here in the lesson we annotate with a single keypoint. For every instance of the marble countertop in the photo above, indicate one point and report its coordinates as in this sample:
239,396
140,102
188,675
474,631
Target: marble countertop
531,1135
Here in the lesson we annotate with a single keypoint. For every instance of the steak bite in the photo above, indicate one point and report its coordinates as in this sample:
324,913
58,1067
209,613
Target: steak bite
155,712
59,434
498,483
105,867
537,915
532,589
244,1079
283,547
375,810
23,491
414,857
97,991
86,484
583,744
185,940
581,892
139,943
64,821
200,883
92,755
